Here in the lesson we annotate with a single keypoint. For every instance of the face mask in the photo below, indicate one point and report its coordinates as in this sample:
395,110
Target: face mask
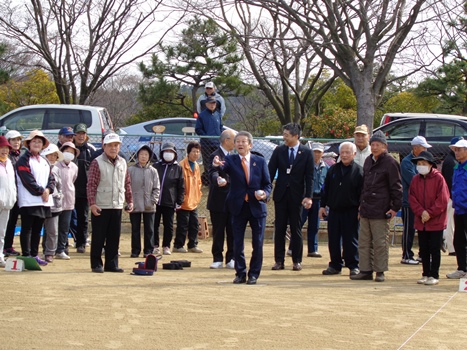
168,156
423,169
68,157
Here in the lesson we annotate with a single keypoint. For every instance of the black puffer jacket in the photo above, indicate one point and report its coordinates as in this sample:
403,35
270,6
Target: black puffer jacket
382,187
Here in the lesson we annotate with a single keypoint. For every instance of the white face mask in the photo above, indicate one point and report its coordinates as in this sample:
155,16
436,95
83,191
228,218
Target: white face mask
423,169
168,156
68,157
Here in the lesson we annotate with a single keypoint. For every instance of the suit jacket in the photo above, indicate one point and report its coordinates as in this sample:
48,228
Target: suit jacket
217,195
300,179
259,180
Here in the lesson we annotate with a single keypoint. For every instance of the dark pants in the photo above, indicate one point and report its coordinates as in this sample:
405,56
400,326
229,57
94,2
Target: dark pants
430,246
63,230
460,241
221,227
408,234
167,215
106,232
148,223
257,225
288,212
343,238
82,212
187,221
207,147
11,226
30,236
313,225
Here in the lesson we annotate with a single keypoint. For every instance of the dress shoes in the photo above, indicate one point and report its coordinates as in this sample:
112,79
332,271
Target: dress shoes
278,266
251,280
314,255
239,280
297,267
117,269
98,269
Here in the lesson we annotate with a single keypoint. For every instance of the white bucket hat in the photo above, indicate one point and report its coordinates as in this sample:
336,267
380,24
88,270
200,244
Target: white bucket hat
52,148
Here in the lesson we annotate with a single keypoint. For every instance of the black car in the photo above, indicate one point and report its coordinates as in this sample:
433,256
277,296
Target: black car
438,133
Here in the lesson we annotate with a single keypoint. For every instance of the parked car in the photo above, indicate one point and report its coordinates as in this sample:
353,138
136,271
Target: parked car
134,136
437,131
389,117
50,118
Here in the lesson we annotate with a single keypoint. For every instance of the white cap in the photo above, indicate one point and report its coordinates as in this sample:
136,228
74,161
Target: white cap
317,146
52,148
460,143
209,85
112,137
13,134
420,140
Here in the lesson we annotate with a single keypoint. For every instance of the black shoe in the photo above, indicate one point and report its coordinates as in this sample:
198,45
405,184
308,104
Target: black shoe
331,271
452,254
117,269
134,255
297,267
251,280
81,249
239,280
278,266
362,276
98,269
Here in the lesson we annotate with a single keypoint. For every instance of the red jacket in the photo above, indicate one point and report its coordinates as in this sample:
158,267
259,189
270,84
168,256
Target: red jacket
430,193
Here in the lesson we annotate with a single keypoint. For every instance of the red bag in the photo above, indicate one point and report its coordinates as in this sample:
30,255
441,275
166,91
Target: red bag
148,267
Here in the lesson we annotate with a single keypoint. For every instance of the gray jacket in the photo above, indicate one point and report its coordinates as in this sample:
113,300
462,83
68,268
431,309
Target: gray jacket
145,187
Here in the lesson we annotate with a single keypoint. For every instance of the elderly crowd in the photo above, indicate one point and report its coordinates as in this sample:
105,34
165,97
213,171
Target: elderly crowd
54,187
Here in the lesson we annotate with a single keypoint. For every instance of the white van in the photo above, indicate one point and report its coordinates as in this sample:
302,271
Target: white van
389,117
50,118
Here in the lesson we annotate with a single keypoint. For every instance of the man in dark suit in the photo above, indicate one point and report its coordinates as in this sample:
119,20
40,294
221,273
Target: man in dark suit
220,217
293,164
250,187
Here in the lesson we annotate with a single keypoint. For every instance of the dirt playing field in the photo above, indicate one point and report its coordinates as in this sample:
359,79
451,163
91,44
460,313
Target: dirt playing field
67,307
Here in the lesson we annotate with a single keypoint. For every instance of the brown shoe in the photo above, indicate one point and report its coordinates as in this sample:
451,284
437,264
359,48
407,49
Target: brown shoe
278,266
49,258
379,277
81,249
297,267
362,276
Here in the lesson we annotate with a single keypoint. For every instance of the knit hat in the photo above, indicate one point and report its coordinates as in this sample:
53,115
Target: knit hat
379,136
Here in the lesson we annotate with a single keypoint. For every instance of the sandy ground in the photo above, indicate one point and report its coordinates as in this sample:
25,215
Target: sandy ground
67,307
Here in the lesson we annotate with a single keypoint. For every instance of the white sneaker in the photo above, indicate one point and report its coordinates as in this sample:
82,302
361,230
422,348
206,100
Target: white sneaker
230,264
195,250
431,281
456,274
62,255
166,251
410,262
216,265
156,250
422,280
2,263
180,250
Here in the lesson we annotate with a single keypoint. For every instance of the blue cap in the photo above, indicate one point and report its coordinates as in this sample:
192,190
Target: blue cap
66,130
454,140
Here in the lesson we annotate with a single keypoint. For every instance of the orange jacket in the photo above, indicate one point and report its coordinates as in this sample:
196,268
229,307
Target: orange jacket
192,185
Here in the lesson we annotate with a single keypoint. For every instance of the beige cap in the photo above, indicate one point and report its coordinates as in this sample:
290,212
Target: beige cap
361,129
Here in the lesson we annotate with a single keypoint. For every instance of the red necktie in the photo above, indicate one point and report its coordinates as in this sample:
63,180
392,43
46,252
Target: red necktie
245,169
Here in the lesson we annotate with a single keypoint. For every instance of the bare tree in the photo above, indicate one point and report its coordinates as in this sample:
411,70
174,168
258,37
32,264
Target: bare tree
359,40
84,42
119,95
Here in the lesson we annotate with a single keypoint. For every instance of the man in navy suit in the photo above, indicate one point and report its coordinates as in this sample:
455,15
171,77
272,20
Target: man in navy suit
293,164
250,187
220,217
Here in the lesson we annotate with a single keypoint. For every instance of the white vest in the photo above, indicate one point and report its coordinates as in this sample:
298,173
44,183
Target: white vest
7,186
41,171
111,189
